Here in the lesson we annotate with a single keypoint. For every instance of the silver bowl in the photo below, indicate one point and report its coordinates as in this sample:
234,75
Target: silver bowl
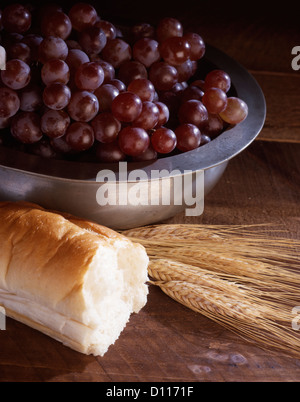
77,187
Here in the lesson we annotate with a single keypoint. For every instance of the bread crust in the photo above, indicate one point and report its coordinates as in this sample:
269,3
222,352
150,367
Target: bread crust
43,255
47,257
71,343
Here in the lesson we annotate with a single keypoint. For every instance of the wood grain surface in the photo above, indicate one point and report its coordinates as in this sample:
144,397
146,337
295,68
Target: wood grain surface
166,341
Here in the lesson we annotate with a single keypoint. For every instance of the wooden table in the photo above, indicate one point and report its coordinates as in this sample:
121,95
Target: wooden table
167,342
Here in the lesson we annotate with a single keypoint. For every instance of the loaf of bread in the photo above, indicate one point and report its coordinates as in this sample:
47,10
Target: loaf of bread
71,279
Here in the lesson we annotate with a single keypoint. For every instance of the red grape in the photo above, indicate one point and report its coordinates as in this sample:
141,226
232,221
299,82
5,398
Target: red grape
19,51
75,58
199,84
217,79
54,123
164,113
148,117
131,70
193,112
83,106
80,136
179,87
133,141
106,127
16,74
16,18
197,45
43,148
142,30
172,100
108,28
146,51
56,24
126,107
52,47
214,125
163,76
143,88
175,50
192,92
116,51
25,127
55,70
167,28
30,98
9,102
73,44
92,40
149,155
185,70
82,15
9,38
61,146
56,96
236,111
33,41
163,140
4,123
188,137
205,139
118,84
105,95
89,76
109,152
108,69
215,100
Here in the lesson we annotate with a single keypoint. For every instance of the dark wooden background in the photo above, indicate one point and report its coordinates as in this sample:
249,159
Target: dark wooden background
166,341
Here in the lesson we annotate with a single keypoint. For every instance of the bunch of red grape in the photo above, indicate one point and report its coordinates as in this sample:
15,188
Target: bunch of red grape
75,85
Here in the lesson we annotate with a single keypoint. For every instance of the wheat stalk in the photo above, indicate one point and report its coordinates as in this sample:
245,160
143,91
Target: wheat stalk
272,302
253,257
227,261
239,277
239,237
236,285
239,316
202,232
